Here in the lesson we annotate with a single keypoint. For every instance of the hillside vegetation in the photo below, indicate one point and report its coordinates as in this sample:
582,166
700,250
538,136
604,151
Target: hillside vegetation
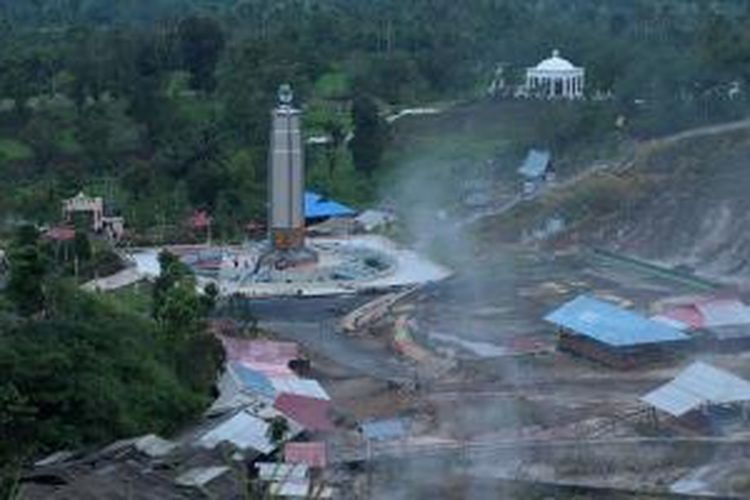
163,106
80,369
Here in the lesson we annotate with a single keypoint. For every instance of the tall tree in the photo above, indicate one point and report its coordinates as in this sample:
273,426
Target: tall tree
335,131
172,272
201,43
27,270
370,134
277,431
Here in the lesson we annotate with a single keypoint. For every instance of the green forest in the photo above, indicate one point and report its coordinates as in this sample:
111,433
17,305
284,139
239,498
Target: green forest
162,107
81,369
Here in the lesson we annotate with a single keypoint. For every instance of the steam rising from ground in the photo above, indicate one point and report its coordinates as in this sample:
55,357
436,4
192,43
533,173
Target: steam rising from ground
428,197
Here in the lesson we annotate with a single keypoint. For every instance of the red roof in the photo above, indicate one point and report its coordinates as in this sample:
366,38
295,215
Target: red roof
60,234
311,413
311,454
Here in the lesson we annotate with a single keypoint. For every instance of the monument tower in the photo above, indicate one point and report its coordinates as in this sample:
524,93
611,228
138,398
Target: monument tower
286,187
286,176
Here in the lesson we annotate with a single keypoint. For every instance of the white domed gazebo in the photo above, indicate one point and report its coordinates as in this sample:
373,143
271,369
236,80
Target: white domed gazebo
555,78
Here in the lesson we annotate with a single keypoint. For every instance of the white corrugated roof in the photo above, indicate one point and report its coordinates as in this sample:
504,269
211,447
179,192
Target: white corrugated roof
673,400
268,471
723,312
154,446
536,163
200,476
298,488
228,402
242,430
698,384
299,386
233,396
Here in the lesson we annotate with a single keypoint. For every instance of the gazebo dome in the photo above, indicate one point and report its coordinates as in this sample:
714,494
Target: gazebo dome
555,78
555,63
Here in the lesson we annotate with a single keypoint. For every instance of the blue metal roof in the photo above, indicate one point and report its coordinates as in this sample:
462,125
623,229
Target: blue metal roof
536,163
610,324
318,206
381,430
252,380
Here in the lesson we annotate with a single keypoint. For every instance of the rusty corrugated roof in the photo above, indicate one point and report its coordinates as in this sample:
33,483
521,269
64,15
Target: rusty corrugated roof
311,413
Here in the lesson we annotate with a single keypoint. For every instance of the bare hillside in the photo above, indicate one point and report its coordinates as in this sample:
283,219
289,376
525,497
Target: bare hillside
682,201
694,207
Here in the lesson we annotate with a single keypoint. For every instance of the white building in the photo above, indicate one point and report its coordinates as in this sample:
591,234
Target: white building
555,78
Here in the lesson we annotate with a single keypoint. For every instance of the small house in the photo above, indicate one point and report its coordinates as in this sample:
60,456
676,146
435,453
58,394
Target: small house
536,170
701,398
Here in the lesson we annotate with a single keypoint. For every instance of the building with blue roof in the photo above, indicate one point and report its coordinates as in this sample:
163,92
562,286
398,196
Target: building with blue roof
252,381
610,334
536,169
318,208
536,165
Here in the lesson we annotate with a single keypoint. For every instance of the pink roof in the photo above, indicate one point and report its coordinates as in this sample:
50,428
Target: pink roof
260,351
710,312
310,413
688,315
311,454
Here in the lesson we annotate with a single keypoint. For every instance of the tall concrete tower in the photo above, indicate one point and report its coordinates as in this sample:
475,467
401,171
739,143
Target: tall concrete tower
286,176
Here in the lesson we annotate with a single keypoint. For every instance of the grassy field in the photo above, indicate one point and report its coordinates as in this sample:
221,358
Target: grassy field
473,131
432,155
576,133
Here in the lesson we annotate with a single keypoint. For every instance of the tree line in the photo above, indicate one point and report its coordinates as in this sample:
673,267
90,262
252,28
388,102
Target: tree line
165,104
